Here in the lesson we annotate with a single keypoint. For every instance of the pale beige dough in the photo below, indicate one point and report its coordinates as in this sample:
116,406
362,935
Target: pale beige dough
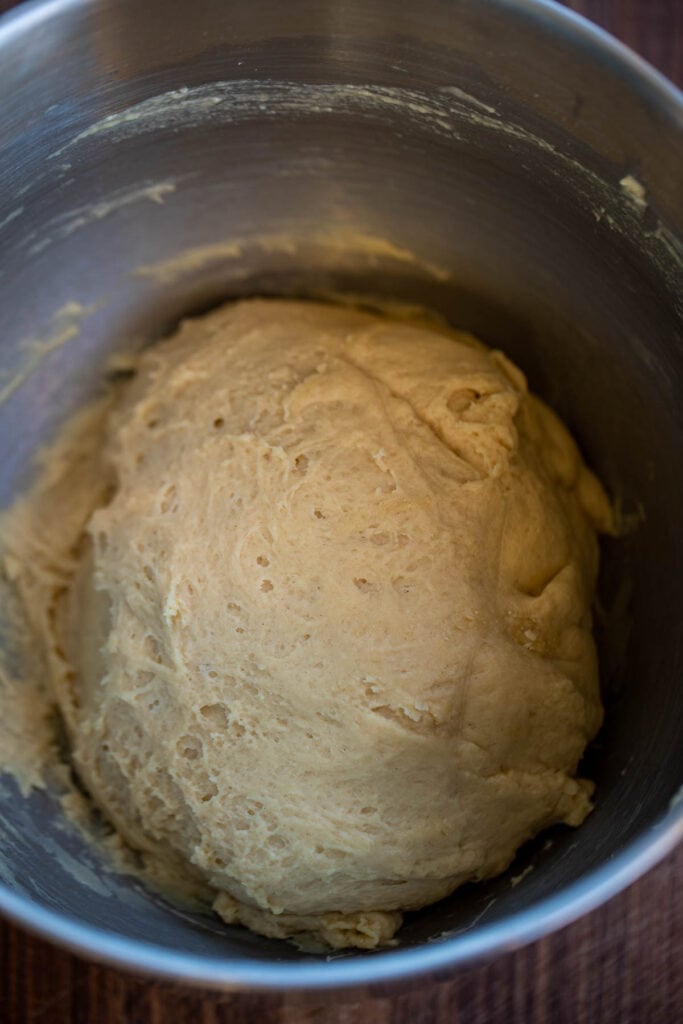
327,639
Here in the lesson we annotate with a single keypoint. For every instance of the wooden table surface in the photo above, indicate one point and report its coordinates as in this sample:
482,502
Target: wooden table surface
622,964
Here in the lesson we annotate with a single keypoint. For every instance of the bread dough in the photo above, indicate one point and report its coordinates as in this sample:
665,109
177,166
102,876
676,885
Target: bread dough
327,639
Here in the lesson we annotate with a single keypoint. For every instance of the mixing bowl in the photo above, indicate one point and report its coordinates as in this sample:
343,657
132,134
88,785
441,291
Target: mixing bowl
500,162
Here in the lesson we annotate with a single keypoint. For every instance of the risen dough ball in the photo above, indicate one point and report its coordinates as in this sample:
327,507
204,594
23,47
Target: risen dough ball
331,634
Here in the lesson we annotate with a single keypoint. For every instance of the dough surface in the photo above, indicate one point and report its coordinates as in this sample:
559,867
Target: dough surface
326,641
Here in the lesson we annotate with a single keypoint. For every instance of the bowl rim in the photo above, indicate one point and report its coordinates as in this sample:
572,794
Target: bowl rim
381,967
462,948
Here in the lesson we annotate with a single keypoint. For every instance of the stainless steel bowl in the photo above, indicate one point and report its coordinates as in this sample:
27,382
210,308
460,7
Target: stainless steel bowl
502,162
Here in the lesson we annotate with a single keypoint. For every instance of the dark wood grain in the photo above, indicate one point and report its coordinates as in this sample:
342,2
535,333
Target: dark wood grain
622,964
653,28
